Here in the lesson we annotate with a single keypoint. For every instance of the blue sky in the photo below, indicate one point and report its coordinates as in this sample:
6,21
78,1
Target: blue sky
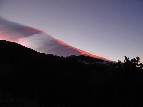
108,28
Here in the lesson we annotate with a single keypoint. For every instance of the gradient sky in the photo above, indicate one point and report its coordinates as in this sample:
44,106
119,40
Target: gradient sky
108,28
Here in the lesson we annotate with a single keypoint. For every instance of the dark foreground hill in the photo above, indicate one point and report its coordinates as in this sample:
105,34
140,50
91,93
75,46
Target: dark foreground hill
32,79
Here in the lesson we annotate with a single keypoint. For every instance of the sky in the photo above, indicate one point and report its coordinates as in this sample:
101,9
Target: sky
107,28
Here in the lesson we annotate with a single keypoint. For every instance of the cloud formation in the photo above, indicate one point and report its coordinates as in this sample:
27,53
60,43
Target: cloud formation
18,28
37,40
12,31
33,38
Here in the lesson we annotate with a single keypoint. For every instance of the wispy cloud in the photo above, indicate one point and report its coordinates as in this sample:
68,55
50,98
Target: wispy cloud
33,38
36,39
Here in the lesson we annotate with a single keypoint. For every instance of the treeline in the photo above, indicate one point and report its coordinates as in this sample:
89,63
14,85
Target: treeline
32,79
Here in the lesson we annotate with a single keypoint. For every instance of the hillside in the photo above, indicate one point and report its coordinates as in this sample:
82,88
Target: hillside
32,79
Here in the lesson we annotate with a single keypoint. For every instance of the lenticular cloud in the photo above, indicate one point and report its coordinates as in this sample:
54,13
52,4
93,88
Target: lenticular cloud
37,40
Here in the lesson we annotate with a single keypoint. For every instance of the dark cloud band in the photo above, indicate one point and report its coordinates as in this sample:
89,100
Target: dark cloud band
23,31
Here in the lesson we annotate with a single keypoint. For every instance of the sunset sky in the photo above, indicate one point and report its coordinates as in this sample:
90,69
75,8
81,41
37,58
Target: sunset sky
107,28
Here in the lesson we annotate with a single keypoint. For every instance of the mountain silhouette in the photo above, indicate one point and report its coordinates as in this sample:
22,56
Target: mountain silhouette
11,51
38,40
32,79
28,77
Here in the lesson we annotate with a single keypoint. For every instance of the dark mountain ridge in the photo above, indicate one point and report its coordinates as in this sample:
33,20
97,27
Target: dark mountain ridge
32,79
12,51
